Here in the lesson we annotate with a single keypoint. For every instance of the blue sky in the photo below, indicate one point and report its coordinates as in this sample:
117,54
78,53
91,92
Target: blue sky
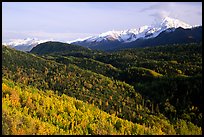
66,21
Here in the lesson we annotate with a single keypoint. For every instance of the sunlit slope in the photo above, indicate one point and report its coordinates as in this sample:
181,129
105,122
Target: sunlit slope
27,110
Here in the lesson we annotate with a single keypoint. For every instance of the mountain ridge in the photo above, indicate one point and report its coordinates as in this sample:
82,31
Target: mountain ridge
145,32
179,35
54,47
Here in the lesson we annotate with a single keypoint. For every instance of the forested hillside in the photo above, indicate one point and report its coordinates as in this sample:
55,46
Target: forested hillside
153,90
56,47
27,110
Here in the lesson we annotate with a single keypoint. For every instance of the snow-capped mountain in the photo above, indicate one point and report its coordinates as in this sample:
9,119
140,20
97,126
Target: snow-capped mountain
144,32
165,31
24,44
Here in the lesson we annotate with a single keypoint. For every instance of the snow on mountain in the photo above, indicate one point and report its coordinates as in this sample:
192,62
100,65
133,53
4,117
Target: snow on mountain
144,32
125,36
24,44
174,23
79,39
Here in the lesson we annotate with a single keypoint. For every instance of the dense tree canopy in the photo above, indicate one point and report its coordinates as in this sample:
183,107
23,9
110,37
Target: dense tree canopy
154,90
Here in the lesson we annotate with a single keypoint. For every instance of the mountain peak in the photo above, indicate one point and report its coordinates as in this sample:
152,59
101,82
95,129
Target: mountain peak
168,22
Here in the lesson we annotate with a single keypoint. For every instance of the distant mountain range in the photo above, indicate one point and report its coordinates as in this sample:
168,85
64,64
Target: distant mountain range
144,32
178,36
168,31
24,44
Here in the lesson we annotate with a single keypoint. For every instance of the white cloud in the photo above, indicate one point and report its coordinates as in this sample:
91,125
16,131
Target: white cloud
185,11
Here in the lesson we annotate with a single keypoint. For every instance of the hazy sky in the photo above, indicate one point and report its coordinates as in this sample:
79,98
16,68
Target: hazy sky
66,21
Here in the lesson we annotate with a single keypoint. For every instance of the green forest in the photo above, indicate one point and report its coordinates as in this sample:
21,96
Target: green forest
59,88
